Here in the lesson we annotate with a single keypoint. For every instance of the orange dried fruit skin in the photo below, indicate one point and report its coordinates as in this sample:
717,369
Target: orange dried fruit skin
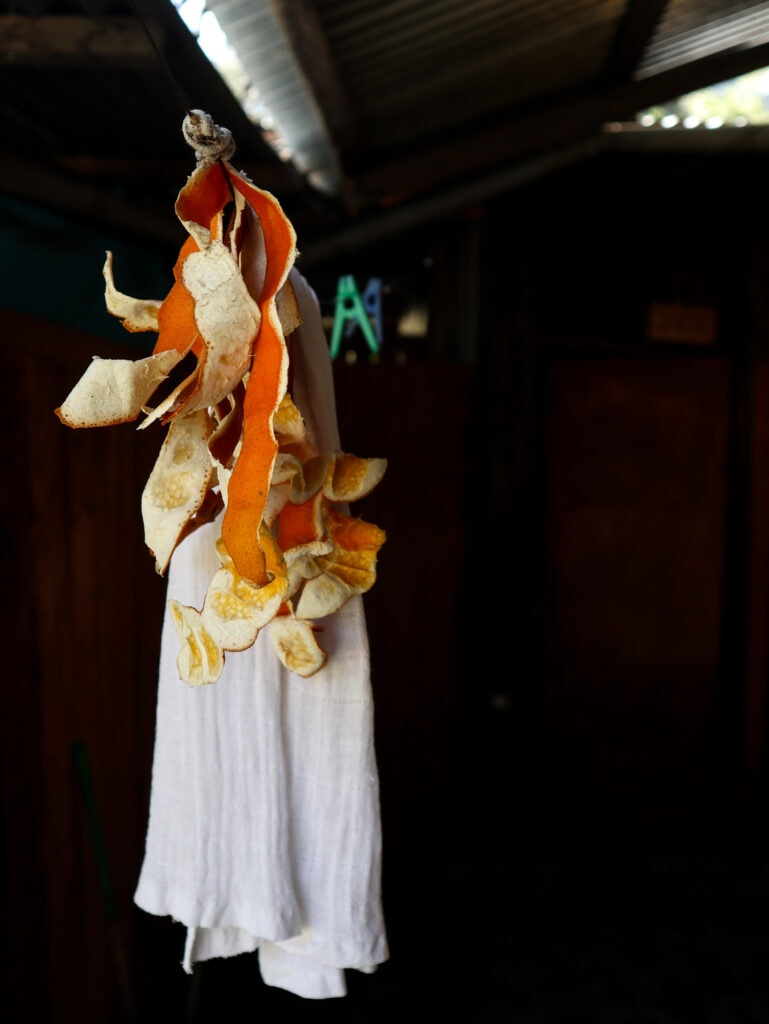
134,314
235,610
296,646
114,391
176,316
177,485
236,446
349,568
200,659
354,478
250,481
201,202
300,526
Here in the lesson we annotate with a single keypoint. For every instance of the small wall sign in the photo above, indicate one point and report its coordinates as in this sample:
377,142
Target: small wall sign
675,321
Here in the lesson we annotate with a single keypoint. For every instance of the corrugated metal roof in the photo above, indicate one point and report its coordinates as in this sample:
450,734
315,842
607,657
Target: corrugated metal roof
415,68
411,74
256,32
693,29
384,103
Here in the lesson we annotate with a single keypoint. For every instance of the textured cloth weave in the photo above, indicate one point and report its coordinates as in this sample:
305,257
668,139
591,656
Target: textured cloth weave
264,825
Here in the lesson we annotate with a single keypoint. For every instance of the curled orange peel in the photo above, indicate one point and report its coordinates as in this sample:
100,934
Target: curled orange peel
300,527
250,481
135,314
176,316
115,390
234,609
348,568
178,484
236,447
294,641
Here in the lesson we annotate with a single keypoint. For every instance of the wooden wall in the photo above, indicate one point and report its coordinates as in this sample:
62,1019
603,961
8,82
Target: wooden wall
636,464
80,623
629,486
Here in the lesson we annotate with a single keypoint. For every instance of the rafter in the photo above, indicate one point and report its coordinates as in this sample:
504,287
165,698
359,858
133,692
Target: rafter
564,121
636,27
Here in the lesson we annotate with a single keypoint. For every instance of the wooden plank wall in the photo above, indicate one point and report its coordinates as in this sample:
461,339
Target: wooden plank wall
636,466
755,768
82,608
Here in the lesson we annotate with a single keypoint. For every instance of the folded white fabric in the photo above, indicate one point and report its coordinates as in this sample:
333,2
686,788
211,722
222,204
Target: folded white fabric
264,825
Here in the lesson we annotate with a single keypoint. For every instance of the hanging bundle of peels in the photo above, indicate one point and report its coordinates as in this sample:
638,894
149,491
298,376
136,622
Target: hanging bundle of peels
236,446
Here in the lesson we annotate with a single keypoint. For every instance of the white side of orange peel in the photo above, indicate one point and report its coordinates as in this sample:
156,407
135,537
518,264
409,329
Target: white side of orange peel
200,661
136,314
294,643
115,390
177,485
227,319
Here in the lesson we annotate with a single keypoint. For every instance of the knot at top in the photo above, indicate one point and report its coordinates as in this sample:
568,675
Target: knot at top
210,141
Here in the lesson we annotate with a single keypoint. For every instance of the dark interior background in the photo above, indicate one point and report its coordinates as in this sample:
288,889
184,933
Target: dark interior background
570,651
569,626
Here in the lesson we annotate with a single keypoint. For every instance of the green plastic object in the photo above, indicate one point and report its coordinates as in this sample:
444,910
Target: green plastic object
349,307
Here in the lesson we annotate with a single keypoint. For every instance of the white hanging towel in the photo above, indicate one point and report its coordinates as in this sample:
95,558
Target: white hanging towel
264,823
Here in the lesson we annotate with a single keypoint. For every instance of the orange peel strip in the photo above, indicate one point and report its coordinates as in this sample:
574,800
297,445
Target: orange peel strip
201,201
288,423
322,596
198,204
176,316
349,569
249,483
200,659
352,534
294,643
316,471
177,485
300,526
135,314
235,610
225,437
353,478
233,422
114,390
226,320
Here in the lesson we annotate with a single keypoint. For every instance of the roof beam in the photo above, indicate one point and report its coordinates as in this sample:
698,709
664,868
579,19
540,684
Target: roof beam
562,122
636,27
694,75
375,227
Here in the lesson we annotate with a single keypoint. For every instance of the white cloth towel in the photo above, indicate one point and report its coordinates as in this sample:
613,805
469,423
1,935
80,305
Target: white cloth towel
264,823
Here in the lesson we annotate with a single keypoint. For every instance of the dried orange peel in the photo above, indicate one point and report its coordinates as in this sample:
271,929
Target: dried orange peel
236,446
